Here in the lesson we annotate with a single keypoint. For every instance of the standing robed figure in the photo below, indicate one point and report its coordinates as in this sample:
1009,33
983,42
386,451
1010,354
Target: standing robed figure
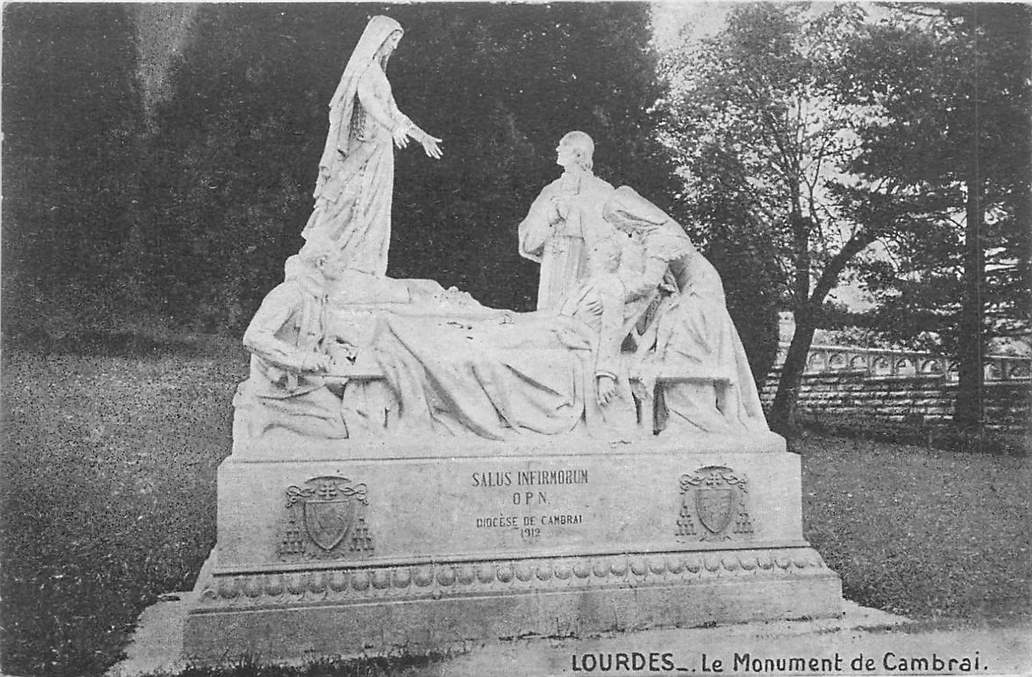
565,222
354,190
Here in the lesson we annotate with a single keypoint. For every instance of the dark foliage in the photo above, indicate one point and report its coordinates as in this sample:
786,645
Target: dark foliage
189,210
204,190
759,132
956,84
71,122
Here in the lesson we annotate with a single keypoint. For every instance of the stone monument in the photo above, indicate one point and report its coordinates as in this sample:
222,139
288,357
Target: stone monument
411,468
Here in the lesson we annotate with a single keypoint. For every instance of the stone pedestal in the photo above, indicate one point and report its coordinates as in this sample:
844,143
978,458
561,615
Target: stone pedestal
342,547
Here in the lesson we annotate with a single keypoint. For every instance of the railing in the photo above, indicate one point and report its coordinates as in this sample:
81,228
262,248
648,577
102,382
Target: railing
884,362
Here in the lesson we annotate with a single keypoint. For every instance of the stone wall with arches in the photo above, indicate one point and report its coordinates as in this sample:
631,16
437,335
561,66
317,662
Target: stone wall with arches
904,391
883,362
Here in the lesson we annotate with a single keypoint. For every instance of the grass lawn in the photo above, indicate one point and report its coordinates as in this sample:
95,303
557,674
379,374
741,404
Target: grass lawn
109,501
939,536
109,497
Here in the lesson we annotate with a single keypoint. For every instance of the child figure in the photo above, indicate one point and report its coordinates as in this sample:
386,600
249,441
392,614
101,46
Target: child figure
599,302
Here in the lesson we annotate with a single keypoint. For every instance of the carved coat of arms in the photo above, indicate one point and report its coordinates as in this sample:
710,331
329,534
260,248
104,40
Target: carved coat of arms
326,519
713,505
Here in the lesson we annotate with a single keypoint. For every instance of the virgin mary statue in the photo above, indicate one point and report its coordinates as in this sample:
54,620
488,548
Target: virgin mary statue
356,172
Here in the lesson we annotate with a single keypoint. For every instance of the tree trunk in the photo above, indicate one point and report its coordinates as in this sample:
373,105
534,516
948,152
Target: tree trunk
807,311
967,414
783,411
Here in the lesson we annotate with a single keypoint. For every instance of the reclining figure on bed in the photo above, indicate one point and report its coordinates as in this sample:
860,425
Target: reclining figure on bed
638,343
326,365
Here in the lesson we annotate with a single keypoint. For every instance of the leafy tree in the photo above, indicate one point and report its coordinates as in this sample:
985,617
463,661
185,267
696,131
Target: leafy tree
764,138
952,149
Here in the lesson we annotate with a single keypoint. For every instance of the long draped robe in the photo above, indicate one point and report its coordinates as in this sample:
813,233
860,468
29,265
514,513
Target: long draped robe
561,246
353,193
289,325
694,332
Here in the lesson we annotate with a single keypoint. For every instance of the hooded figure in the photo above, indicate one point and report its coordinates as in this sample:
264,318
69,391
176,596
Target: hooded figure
691,330
291,352
356,172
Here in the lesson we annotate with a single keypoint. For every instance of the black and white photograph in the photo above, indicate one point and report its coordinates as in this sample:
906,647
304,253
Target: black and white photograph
541,339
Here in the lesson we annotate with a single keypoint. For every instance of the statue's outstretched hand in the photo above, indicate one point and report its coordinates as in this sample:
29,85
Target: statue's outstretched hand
401,136
431,147
640,390
606,387
594,305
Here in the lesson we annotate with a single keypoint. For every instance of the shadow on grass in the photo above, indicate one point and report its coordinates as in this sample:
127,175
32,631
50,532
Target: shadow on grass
1015,442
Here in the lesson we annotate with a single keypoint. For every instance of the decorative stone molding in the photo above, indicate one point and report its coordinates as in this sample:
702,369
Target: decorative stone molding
499,577
883,362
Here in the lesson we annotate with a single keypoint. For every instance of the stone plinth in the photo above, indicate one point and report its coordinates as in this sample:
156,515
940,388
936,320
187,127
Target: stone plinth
426,545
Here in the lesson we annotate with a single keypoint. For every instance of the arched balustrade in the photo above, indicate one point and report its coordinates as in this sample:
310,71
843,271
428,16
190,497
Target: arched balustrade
882,362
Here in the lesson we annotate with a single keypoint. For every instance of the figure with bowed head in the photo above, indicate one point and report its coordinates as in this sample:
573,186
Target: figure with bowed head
691,330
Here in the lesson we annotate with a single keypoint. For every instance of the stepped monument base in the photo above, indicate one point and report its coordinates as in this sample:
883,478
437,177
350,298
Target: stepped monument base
424,545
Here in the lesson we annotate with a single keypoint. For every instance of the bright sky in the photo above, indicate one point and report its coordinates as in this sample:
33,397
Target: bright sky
699,19
703,18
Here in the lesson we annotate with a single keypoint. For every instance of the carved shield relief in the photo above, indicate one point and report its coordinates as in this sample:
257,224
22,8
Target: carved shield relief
713,505
326,520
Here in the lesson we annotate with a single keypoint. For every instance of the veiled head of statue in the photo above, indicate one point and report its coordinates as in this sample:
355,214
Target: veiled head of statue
576,148
632,213
375,45
389,45
380,37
